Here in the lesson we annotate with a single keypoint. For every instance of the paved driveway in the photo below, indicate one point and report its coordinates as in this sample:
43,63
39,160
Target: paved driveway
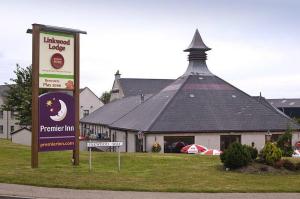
23,191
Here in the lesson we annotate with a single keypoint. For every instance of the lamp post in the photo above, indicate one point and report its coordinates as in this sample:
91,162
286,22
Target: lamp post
268,136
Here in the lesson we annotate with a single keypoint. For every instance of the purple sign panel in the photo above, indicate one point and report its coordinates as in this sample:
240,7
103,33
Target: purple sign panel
57,122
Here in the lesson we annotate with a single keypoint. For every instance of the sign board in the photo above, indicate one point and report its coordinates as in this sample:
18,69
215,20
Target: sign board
56,122
111,144
97,144
56,67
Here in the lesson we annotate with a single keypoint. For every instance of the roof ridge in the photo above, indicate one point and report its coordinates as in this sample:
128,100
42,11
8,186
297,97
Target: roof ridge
251,97
283,99
131,109
167,104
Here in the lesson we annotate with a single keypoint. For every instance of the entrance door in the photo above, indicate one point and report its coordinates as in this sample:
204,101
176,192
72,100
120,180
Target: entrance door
226,140
138,144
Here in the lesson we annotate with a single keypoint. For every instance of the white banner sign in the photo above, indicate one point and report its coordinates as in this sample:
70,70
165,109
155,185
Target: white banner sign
56,60
97,144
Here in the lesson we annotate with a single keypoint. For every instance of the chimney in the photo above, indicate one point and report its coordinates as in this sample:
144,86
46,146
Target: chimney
197,57
117,75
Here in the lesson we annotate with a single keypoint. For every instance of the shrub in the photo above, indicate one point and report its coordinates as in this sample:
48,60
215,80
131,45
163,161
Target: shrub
156,148
284,143
236,156
253,151
289,165
270,153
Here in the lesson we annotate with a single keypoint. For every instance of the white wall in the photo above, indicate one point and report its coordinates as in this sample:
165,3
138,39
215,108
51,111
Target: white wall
295,138
88,101
131,142
257,138
212,140
22,137
120,94
7,121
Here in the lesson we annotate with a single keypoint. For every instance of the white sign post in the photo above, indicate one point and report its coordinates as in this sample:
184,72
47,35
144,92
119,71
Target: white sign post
111,144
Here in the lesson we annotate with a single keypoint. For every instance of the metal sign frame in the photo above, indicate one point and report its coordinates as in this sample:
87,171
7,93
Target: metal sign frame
91,145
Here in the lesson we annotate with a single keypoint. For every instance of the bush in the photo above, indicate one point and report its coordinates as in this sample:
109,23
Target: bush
284,143
253,151
235,156
289,165
156,148
270,153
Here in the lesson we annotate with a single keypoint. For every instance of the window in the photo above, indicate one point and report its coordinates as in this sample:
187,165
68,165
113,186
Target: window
226,140
1,114
115,91
173,144
85,113
1,129
12,128
272,137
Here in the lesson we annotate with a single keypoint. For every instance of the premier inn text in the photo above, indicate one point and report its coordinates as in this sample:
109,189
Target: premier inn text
56,128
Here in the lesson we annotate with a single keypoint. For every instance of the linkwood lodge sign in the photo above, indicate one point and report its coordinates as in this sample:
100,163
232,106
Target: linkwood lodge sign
56,60
55,66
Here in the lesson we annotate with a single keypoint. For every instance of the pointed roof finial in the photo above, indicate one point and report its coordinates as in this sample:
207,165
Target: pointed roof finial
117,75
118,72
197,43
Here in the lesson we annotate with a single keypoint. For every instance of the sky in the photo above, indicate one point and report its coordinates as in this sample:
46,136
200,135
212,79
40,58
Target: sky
255,43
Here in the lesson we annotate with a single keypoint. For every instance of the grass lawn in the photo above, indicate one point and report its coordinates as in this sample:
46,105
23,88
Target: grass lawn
139,172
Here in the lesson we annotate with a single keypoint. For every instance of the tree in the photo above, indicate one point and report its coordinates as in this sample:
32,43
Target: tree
18,96
105,97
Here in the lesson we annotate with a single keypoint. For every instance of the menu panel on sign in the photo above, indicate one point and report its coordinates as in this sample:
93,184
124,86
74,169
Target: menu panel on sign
56,60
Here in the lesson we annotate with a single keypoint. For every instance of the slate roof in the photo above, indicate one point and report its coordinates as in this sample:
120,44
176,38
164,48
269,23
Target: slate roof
285,103
135,86
198,103
113,111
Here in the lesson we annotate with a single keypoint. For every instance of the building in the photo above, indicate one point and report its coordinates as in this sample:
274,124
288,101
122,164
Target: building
290,107
125,87
21,136
8,122
89,102
198,107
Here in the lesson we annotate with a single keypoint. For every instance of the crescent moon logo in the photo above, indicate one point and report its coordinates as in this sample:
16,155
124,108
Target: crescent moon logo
61,113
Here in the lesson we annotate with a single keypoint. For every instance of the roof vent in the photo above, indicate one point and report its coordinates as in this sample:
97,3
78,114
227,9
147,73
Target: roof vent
197,57
192,95
117,75
233,96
